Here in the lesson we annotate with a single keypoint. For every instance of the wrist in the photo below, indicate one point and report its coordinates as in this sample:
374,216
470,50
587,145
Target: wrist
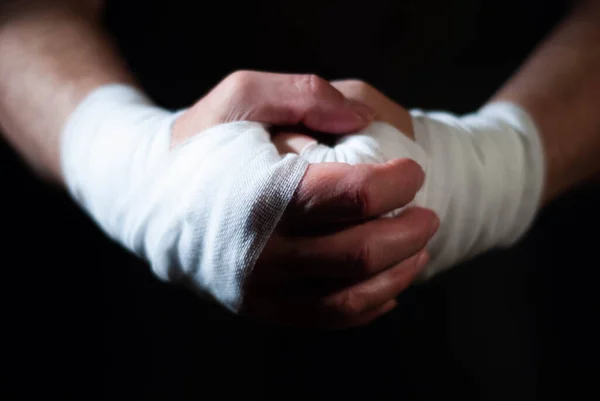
114,131
174,209
52,58
484,179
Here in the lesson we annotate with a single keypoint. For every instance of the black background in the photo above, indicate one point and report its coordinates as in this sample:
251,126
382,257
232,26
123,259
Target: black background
83,318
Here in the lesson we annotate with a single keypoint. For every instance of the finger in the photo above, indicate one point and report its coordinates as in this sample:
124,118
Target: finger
288,99
355,305
291,142
360,251
348,307
367,317
387,110
289,319
337,192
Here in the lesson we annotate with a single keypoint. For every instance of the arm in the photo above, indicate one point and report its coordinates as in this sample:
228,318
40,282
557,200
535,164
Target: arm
560,87
489,172
53,53
224,212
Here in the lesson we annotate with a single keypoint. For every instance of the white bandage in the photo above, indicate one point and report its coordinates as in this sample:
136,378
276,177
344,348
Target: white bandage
201,212
484,174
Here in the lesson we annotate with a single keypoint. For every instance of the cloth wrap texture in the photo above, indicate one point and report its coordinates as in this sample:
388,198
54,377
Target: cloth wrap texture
200,213
484,174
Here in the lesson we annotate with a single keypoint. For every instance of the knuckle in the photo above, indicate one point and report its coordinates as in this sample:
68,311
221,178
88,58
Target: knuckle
348,305
312,84
309,192
361,197
305,199
240,81
360,262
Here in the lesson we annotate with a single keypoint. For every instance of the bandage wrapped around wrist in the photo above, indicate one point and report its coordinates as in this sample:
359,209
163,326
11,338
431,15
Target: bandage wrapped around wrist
201,212
484,174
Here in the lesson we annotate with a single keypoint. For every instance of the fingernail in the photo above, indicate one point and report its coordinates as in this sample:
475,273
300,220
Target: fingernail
422,259
435,225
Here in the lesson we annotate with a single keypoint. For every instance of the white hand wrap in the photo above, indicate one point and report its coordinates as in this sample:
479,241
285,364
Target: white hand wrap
202,211
484,174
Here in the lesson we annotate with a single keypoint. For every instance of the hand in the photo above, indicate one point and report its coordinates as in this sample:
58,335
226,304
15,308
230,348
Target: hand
331,263
328,264
484,169
275,99
385,110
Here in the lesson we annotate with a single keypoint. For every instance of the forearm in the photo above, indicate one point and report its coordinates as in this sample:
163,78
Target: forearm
560,87
53,53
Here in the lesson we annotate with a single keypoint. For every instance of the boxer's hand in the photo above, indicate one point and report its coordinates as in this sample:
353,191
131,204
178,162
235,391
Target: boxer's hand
365,251
385,110
495,150
274,99
328,263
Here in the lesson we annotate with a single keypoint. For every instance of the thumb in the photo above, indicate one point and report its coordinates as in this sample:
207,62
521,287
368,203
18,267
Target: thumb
291,99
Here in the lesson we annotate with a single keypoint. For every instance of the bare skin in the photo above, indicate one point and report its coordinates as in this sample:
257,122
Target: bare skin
386,110
53,53
559,85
